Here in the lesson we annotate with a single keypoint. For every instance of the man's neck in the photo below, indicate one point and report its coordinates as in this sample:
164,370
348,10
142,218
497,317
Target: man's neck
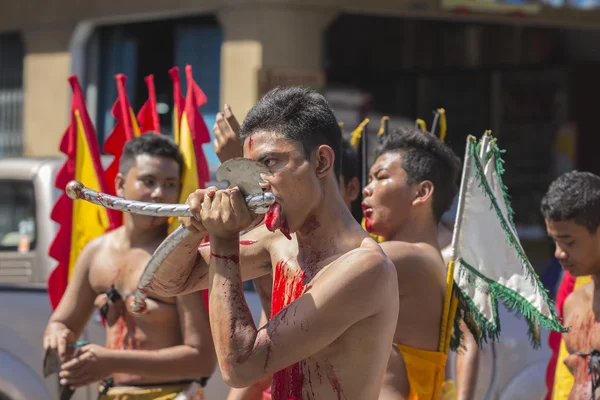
326,229
139,235
418,229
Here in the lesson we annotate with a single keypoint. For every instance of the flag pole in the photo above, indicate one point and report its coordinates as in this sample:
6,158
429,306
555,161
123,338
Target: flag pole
461,199
364,148
436,116
485,142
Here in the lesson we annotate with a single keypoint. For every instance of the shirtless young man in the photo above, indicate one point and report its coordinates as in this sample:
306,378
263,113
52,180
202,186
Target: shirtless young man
226,145
412,183
162,351
571,209
335,297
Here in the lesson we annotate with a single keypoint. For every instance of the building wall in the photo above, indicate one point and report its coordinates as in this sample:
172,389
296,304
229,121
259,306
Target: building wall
258,34
255,37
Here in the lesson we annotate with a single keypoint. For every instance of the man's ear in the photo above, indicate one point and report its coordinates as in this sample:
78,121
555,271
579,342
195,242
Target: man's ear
325,158
353,188
424,193
120,185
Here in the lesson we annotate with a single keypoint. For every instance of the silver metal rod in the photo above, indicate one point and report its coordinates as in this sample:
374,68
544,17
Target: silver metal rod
257,203
158,257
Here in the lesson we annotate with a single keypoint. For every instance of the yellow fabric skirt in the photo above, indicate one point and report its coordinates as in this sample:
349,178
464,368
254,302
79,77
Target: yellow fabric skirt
426,374
150,393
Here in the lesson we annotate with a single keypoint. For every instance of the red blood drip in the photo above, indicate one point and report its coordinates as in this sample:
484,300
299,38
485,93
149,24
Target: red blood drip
287,286
124,338
250,143
333,380
368,224
285,229
272,217
288,383
232,257
242,243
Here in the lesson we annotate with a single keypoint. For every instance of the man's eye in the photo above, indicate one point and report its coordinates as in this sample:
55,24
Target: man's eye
270,162
148,182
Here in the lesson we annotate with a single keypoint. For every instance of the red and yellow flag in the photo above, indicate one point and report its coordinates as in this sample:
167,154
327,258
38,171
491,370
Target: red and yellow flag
178,102
190,133
125,129
79,221
148,116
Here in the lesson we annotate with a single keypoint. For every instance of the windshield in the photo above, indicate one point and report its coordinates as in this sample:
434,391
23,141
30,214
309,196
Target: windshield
17,216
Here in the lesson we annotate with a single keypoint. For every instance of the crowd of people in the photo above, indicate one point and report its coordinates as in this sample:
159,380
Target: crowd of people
344,316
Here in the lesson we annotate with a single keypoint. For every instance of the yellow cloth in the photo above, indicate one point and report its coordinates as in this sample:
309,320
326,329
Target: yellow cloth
563,379
426,373
149,393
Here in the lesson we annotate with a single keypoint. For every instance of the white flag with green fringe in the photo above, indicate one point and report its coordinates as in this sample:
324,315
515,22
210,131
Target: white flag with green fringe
490,264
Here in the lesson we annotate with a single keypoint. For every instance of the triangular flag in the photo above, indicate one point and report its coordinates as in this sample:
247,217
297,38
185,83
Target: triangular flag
490,263
79,221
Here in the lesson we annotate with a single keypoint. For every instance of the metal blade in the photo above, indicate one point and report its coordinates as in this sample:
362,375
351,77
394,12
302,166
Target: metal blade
243,173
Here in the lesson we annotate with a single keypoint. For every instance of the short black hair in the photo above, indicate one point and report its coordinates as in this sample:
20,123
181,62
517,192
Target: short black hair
350,170
425,158
350,167
152,144
299,114
574,196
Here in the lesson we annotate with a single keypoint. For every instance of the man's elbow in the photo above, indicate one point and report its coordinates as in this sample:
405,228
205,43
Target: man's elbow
237,376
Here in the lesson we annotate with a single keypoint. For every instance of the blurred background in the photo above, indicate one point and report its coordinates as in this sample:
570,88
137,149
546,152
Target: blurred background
527,70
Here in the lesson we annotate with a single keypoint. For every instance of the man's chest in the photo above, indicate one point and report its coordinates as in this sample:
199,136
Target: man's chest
584,335
122,271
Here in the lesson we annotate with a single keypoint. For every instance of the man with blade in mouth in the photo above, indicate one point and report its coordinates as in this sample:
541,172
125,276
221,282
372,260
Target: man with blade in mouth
335,293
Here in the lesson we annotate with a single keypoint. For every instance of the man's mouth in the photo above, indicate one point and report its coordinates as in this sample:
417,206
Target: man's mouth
367,210
275,219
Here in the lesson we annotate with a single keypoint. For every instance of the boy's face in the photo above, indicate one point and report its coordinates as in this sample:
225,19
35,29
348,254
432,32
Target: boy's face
388,197
577,250
151,179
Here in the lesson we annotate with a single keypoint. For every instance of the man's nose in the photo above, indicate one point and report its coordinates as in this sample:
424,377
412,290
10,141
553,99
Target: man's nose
367,191
157,193
560,254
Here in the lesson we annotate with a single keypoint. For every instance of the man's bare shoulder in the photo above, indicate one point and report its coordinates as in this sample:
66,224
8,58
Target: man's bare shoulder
368,263
578,299
97,245
406,255
415,262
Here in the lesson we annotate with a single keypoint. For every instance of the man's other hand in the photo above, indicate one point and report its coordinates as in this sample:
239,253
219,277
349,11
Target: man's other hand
227,145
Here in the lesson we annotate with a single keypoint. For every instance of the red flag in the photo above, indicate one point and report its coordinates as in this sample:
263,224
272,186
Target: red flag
178,102
190,132
79,221
148,116
125,128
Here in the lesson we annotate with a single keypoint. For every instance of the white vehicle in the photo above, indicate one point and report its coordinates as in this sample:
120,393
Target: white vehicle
27,195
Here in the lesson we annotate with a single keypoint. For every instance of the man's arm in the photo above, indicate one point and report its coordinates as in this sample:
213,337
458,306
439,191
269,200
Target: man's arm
467,365
68,321
193,359
303,328
185,270
254,391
